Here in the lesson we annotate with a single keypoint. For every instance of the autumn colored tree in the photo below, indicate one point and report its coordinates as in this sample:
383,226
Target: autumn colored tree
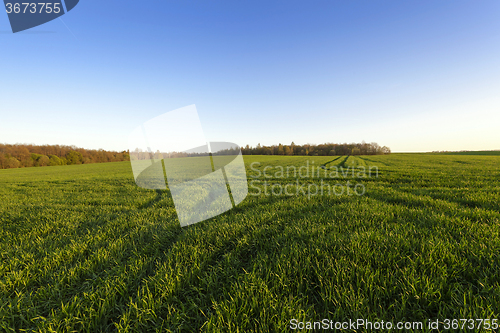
355,151
288,151
14,156
281,151
12,162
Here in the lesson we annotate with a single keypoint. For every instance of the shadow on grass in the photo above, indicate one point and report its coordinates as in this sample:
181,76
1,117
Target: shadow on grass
156,199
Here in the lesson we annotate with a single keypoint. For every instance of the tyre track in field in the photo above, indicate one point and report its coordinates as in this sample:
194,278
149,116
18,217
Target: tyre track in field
335,159
370,160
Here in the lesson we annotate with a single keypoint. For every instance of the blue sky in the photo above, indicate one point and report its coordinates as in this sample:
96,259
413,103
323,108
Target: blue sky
412,75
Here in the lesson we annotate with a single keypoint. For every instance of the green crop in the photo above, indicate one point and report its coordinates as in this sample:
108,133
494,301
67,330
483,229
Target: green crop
84,249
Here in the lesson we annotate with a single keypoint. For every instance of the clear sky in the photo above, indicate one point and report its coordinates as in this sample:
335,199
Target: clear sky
412,75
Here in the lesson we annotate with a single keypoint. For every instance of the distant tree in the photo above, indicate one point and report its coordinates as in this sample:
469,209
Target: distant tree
246,150
126,156
74,157
366,147
375,148
12,163
34,159
39,160
54,160
288,151
355,151
310,150
43,161
32,155
281,150
158,155
22,154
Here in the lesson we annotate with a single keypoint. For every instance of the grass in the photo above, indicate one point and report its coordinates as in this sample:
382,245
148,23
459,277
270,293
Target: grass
84,249
480,152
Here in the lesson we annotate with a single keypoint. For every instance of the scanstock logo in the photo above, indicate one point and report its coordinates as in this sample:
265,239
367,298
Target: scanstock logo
205,179
25,14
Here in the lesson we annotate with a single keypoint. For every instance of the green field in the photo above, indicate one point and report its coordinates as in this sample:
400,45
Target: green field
480,152
84,249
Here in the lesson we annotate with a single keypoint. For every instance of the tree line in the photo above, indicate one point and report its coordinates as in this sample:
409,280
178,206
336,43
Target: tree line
22,156
326,149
